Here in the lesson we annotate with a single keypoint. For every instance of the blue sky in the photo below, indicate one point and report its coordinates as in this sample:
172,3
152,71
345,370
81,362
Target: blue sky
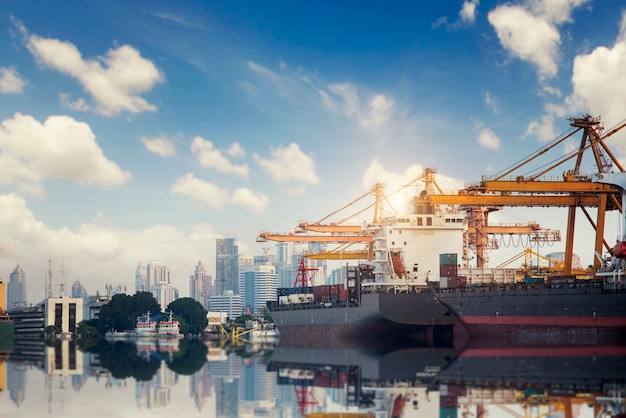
143,130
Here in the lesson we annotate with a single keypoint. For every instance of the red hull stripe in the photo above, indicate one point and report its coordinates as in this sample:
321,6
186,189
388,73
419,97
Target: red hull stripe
546,352
559,321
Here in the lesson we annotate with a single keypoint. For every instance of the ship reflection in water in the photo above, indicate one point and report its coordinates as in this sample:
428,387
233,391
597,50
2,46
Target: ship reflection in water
477,381
197,378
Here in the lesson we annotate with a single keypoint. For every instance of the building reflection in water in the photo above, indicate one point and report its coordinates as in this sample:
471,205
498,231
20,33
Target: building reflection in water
292,382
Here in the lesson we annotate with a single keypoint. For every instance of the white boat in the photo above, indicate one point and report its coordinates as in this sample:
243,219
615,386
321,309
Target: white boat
169,328
144,327
117,335
261,332
265,335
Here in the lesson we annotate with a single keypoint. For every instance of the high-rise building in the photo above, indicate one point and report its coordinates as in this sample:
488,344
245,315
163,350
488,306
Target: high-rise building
156,273
226,265
258,284
227,302
16,289
158,277
79,291
141,278
200,285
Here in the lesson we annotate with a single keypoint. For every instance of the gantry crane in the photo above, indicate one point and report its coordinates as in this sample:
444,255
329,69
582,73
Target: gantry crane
477,236
574,190
335,233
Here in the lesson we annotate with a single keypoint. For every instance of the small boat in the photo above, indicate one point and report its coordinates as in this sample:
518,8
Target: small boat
144,327
117,335
169,328
271,334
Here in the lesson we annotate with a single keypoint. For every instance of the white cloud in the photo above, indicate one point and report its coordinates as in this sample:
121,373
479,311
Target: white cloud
236,150
210,157
378,112
394,181
468,11
79,105
599,81
348,100
599,87
527,37
10,81
492,102
557,11
543,128
377,173
529,31
217,197
97,251
246,197
488,139
115,80
60,148
162,145
289,164
274,81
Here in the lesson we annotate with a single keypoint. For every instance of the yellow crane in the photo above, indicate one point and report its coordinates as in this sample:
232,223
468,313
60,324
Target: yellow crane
346,235
574,189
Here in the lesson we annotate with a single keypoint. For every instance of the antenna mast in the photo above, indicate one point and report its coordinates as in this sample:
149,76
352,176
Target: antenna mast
49,284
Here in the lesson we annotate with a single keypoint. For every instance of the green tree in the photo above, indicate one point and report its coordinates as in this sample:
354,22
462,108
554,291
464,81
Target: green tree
191,315
121,312
241,320
86,334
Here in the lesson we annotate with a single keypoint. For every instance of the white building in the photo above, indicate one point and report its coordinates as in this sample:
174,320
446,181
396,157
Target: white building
228,302
201,285
158,277
257,285
164,293
141,278
64,313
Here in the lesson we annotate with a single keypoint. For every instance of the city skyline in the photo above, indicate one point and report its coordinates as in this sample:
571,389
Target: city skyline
148,130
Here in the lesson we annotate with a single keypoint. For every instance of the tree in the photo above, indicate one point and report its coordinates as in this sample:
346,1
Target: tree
121,312
86,334
241,320
191,315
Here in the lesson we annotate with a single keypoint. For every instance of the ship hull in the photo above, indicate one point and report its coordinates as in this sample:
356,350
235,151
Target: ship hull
541,314
380,318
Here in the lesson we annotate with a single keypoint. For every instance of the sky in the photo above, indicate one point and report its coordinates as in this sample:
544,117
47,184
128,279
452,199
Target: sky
136,131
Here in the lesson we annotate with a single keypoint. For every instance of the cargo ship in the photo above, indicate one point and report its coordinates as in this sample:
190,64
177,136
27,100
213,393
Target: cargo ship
559,309
385,299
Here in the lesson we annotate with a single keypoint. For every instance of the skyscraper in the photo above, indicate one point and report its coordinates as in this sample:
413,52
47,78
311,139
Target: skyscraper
156,273
258,284
158,278
141,278
16,295
226,265
200,285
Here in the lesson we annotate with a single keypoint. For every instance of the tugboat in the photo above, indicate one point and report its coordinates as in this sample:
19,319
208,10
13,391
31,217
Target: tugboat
145,327
170,328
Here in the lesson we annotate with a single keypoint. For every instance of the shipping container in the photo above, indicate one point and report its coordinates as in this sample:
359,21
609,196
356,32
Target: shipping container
448,259
448,270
